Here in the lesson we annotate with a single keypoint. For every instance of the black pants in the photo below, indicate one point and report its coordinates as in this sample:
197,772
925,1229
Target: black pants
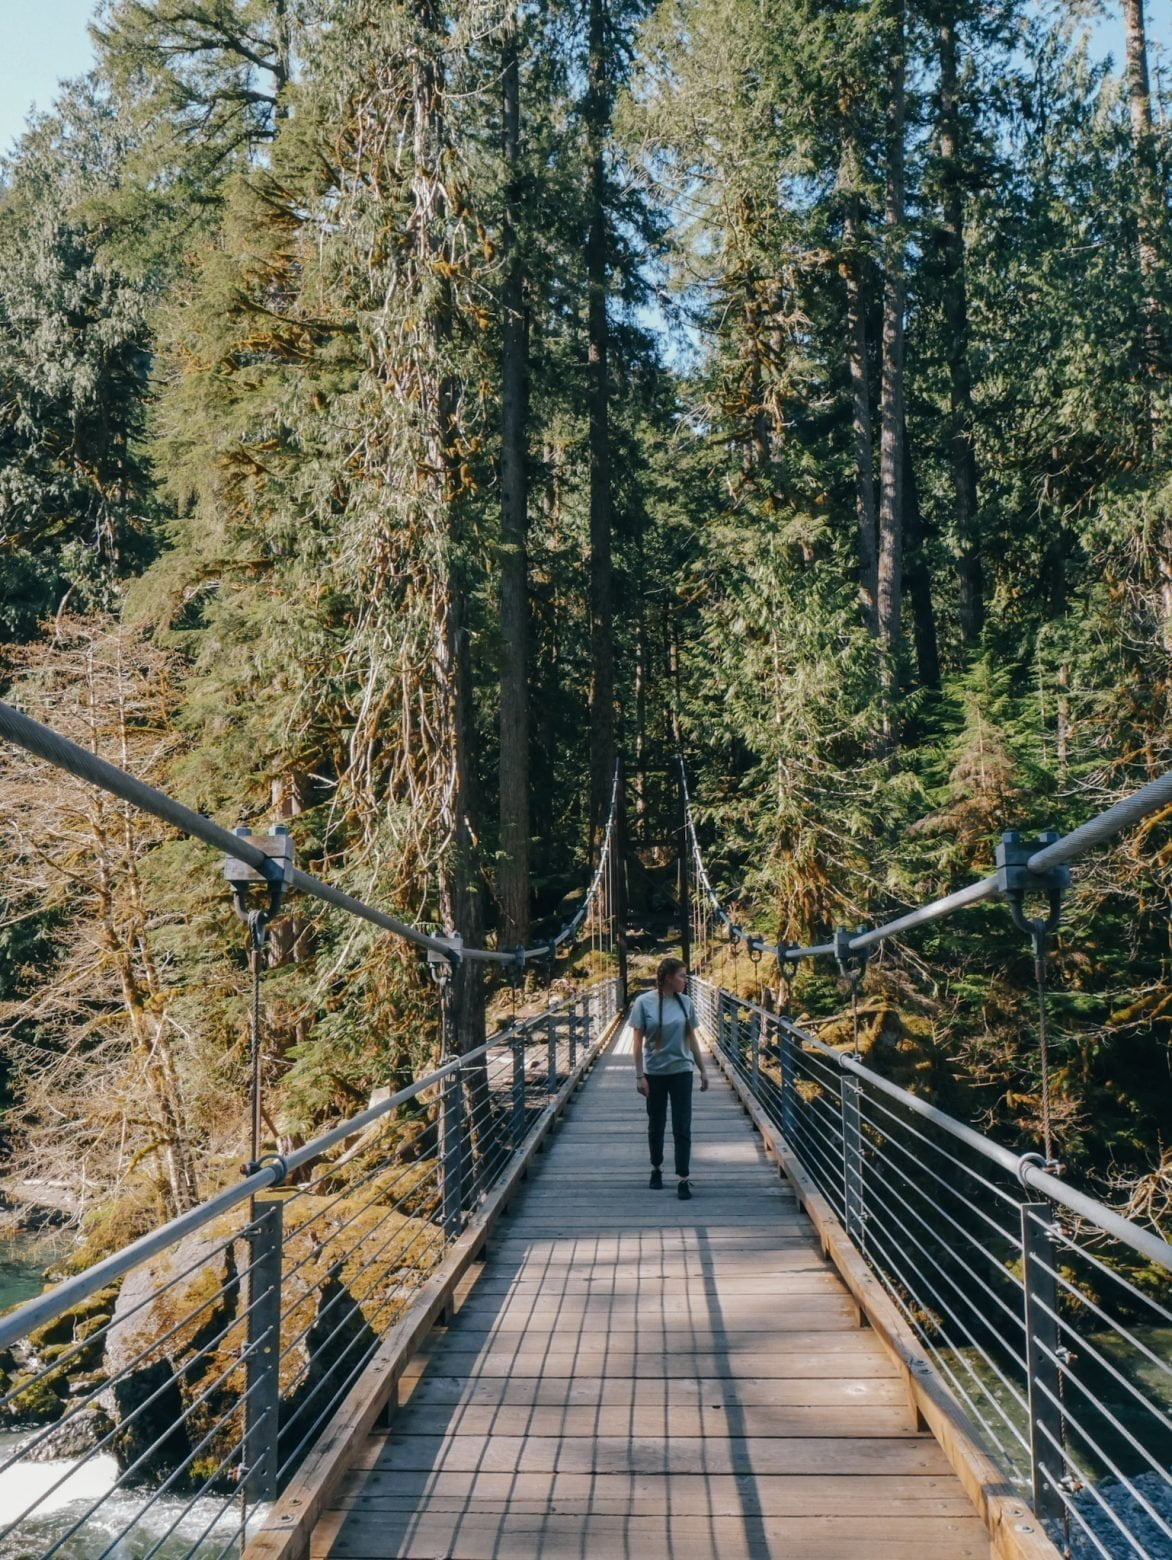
676,1087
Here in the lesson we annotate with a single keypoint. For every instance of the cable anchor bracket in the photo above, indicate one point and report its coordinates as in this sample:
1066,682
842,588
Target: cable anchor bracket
1015,880
275,1162
444,962
851,962
277,845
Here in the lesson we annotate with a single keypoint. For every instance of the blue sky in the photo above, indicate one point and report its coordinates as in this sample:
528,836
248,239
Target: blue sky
43,41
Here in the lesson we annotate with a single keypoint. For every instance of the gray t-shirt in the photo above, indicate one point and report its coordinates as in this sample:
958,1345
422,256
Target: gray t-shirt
666,1050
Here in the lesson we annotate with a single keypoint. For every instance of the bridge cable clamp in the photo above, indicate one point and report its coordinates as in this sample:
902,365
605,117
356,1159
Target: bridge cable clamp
276,1161
1028,1162
756,949
444,963
277,845
1015,880
852,963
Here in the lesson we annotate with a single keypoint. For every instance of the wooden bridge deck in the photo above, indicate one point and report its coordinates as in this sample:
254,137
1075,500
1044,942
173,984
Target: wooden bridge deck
629,1375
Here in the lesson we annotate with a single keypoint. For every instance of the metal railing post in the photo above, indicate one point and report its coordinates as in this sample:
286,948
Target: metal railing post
789,1095
551,1025
1042,1361
734,1030
452,1152
852,1161
518,1048
572,1035
755,1052
262,1384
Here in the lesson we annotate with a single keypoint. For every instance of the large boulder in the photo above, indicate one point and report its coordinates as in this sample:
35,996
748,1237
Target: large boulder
79,1434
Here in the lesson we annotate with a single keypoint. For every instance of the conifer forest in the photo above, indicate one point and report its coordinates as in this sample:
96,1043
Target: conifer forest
410,408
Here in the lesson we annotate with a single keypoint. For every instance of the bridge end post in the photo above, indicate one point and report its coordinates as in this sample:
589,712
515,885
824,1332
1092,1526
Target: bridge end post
262,1391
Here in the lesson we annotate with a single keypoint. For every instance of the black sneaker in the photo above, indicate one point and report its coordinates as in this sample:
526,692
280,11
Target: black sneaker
684,1191
656,1181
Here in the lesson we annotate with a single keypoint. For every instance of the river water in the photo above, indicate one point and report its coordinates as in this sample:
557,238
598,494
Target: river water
23,1260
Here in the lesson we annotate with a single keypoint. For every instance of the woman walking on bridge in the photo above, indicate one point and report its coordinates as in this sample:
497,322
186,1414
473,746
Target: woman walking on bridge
666,1049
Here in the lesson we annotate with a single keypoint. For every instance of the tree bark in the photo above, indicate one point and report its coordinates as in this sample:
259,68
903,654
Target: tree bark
602,715
955,300
891,412
1139,102
919,578
513,870
460,899
857,352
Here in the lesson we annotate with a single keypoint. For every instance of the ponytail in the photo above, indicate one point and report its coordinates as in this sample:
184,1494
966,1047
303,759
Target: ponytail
663,974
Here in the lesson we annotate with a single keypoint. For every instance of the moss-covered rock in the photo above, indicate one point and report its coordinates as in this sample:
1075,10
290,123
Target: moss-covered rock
38,1399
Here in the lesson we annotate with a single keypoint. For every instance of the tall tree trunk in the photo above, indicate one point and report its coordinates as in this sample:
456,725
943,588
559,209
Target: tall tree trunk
1139,101
602,719
283,64
918,576
460,899
857,352
642,679
956,319
890,578
513,871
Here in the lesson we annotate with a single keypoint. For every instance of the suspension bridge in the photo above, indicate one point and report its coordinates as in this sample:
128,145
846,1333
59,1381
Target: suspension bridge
875,1330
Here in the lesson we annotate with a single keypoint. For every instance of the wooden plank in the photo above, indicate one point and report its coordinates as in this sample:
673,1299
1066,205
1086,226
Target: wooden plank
798,1495
692,1455
800,1313
698,1419
592,1391
754,1268
647,1364
658,1336
811,1280
547,1535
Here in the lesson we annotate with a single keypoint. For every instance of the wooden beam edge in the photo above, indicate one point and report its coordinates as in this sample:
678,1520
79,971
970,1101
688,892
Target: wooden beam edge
288,1527
1014,1530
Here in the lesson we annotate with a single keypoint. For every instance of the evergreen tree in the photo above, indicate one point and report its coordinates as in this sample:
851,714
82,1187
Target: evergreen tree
77,506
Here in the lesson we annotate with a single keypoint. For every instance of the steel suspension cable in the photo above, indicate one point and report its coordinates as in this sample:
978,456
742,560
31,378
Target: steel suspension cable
1055,854
45,743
